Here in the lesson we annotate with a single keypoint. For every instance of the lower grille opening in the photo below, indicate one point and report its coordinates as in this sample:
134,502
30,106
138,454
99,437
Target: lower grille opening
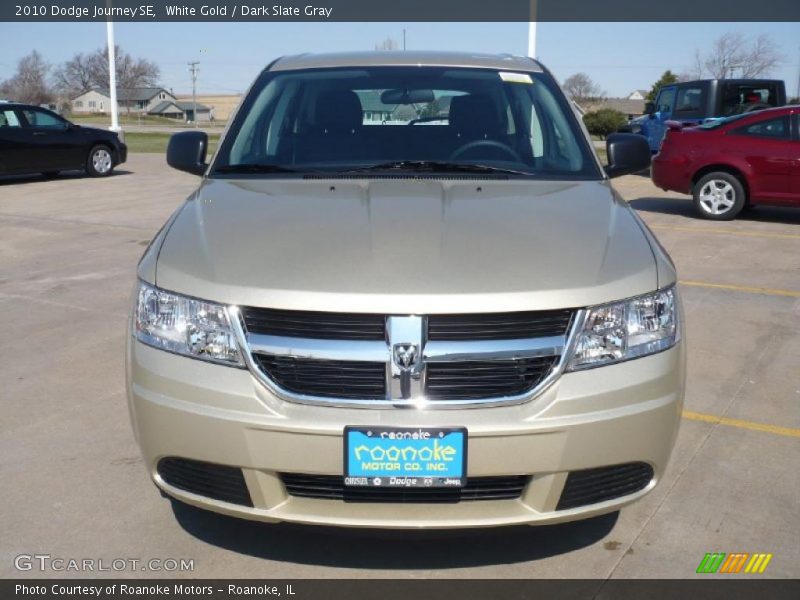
331,487
590,486
218,482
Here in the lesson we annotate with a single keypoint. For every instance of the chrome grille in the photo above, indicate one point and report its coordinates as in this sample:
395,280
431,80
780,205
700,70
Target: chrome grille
439,361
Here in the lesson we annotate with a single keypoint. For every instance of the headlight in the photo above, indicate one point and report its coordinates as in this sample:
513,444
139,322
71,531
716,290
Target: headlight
186,326
629,329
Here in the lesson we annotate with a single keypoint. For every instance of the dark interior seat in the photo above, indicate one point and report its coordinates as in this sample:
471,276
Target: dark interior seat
336,131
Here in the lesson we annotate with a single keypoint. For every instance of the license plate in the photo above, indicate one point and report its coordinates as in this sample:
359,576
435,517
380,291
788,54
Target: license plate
405,457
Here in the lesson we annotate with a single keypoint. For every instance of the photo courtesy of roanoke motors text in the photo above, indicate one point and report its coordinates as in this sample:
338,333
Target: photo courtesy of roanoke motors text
344,299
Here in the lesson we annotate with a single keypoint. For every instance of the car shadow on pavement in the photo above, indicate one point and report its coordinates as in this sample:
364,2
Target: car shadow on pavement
63,176
683,207
390,549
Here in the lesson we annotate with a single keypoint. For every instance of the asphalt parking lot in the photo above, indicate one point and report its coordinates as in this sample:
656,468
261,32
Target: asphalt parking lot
74,486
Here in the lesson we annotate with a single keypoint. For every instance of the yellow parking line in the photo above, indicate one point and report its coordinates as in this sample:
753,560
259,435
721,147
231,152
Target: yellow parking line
788,236
774,429
742,288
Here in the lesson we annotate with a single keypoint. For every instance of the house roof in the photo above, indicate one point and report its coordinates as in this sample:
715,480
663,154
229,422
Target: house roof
623,105
130,94
163,107
183,105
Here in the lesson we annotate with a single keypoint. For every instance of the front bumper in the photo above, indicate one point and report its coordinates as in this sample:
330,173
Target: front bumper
181,407
122,153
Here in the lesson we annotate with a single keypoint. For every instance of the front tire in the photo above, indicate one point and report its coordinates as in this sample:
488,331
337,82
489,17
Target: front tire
719,196
100,163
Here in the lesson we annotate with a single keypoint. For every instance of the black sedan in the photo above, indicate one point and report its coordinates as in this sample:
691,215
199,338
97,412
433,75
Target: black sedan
37,140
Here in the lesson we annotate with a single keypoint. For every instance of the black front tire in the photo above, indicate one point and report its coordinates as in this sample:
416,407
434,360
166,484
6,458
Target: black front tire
719,196
100,161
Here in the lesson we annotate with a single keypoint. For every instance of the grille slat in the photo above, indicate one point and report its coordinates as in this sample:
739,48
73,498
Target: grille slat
470,380
331,487
591,486
499,326
316,325
326,378
219,482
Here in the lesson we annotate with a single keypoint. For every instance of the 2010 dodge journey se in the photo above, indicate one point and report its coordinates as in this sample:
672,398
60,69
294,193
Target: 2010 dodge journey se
406,295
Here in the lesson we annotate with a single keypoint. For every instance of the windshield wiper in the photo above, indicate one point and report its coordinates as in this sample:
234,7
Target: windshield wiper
434,166
255,168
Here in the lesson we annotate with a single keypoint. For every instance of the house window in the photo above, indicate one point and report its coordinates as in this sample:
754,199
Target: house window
92,104
78,104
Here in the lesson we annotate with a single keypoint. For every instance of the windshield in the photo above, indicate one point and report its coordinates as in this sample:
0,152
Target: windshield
427,119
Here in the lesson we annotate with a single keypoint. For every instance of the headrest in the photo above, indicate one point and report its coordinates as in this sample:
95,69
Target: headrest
338,110
475,113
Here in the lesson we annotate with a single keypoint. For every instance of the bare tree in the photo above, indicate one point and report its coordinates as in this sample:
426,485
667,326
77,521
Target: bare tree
84,71
75,75
388,44
580,88
29,84
737,54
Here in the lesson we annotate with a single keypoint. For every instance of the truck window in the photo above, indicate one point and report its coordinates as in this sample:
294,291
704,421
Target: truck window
666,99
738,98
690,102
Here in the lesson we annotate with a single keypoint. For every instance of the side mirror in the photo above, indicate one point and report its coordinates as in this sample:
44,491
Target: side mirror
627,153
650,109
187,152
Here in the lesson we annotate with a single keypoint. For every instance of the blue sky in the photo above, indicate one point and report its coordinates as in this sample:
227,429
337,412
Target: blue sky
620,57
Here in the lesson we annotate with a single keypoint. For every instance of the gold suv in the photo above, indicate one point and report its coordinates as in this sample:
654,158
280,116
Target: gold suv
404,294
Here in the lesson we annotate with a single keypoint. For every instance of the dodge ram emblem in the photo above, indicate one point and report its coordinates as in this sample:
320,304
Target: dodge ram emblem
405,355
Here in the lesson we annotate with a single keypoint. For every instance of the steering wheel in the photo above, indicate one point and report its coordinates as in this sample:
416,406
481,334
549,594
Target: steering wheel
489,144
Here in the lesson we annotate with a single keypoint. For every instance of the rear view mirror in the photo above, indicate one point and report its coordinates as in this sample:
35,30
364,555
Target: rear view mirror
187,152
407,96
650,109
627,153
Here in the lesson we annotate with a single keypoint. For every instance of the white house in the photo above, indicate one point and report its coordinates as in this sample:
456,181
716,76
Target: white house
638,95
140,101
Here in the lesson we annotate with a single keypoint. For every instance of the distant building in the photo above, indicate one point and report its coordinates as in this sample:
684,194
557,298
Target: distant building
143,101
638,95
630,108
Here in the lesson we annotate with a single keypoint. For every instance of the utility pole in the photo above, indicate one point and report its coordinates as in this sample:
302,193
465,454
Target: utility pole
404,39
797,92
194,68
532,31
112,73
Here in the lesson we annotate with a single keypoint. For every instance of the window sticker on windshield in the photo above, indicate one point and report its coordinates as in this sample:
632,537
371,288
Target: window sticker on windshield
515,77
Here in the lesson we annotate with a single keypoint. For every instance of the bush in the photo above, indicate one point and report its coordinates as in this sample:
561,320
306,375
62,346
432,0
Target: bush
604,121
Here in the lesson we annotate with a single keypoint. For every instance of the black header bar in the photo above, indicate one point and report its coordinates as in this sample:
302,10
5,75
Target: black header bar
400,11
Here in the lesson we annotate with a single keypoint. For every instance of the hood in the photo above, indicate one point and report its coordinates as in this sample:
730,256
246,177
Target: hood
98,132
406,246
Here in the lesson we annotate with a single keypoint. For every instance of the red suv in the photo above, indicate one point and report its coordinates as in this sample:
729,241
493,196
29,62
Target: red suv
748,159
